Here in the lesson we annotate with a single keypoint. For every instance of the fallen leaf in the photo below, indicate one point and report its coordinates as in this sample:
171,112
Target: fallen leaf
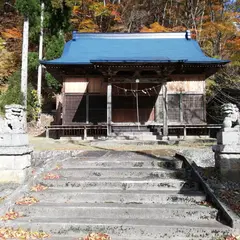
27,201
11,233
11,215
96,236
205,203
51,176
39,188
231,237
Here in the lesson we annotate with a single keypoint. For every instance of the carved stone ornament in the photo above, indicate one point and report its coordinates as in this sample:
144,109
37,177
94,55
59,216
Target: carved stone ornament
14,121
231,115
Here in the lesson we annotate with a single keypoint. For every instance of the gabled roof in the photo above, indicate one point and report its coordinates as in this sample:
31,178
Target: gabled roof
90,48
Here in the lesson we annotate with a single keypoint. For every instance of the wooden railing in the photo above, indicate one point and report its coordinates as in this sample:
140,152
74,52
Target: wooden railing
78,130
193,126
85,130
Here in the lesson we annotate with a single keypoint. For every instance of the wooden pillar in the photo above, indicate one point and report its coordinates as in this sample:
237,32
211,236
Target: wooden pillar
158,109
47,132
181,107
204,108
109,109
87,108
185,132
165,110
85,133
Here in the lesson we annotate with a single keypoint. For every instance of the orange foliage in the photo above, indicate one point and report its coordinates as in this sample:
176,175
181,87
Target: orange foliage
12,33
93,16
87,25
155,27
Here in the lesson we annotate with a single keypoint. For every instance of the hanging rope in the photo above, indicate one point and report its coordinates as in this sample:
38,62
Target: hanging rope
134,91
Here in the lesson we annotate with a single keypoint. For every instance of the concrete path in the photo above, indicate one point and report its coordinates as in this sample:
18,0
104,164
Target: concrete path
127,195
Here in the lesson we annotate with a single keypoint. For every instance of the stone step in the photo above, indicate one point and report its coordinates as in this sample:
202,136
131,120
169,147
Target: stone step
124,228
151,163
137,137
121,184
130,128
75,237
121,211
127,156
114,155
73,195
120,173
129,133
131,156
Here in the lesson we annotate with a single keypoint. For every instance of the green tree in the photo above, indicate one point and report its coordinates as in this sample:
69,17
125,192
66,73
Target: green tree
13,93
54,49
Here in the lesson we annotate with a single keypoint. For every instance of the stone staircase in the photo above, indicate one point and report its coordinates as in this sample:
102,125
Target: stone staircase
143,132
124,194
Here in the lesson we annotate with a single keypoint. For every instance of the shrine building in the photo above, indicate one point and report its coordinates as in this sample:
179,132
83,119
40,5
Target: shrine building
132,82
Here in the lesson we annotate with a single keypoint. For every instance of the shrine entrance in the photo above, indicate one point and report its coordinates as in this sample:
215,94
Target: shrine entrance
134,102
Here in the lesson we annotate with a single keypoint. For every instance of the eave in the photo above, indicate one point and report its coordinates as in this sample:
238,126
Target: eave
59,71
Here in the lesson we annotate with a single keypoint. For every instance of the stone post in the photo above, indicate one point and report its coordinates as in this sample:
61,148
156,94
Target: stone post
227,150
227,154
15,153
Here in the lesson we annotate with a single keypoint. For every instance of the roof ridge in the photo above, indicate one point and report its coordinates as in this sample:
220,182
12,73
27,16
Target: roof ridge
140,35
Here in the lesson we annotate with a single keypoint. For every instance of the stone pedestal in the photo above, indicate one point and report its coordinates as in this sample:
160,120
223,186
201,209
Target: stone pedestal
227,154
14,163
15,153
13,140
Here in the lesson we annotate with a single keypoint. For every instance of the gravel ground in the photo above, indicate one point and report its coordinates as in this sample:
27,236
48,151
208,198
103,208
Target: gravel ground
227,191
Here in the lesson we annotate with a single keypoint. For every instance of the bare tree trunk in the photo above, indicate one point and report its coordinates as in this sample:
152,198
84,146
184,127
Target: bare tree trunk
39,84
24,70
201,22
164,13
193,14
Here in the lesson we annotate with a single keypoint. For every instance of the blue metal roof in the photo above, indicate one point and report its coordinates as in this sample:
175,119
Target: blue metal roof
90,48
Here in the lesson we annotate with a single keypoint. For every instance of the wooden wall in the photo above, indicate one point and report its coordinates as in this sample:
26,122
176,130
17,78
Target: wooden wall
74,108
85,85
75,85
124,108
197,87
76,92
185,100
98,86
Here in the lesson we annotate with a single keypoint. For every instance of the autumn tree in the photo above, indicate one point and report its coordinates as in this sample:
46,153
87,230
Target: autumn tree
213,23
95,16
7,62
